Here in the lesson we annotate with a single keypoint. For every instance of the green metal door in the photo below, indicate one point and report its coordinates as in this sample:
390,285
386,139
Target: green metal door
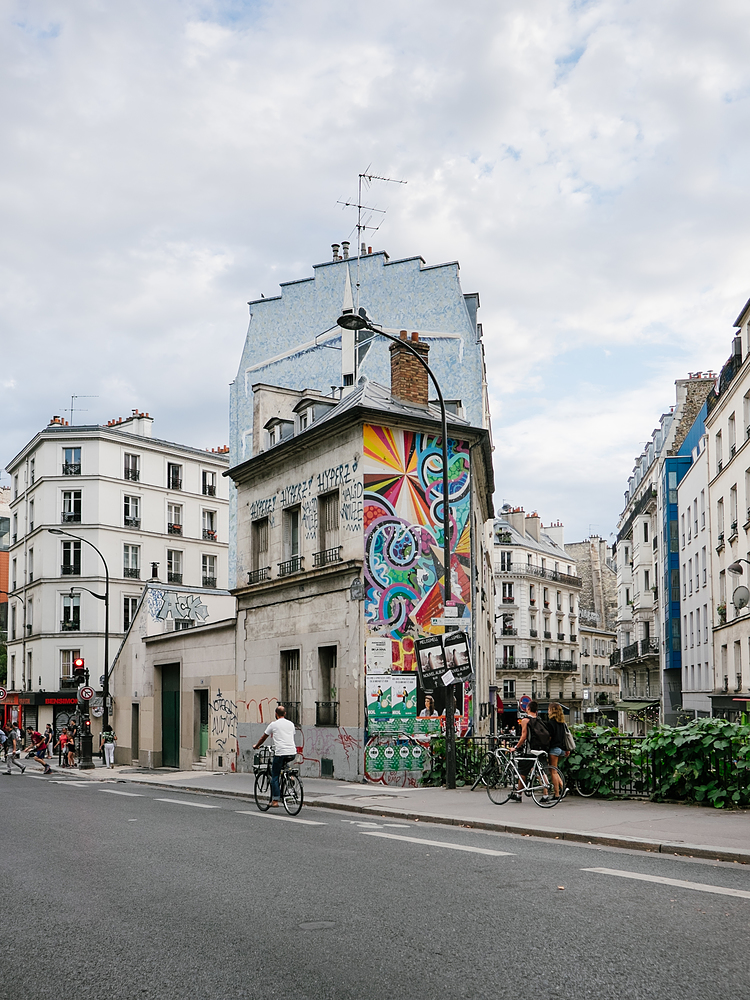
203,695
170,715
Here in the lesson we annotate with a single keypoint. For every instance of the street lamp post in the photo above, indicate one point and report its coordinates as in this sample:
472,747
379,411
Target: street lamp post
356,322
101,597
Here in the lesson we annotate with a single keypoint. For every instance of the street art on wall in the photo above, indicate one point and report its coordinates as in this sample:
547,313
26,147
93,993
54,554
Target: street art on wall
403,536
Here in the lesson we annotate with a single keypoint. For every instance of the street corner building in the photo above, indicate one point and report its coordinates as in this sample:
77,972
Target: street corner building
339,525
173,681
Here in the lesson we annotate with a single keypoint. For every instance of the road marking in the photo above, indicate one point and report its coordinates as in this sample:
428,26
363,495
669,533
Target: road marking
397,826
283,819
184,802
720,890
69,781
436,843
114,791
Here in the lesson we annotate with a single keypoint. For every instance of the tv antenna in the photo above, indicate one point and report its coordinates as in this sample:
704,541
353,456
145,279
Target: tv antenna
363,223
73,407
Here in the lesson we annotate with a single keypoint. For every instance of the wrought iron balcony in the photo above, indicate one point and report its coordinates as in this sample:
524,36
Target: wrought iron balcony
71,625
519,663
644,647
209,491
547,635
70,517
70,569
564,666
132,522
327,556
290,566
173,528
68,682
509,631
614,658
174,578
209,535
133,475
509,600
573,637
131,573
71,468
326,713
533,633
174,483
561,637
209,582
259,575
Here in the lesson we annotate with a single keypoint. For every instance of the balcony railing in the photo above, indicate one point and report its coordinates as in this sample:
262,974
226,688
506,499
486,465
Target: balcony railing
70,517
326,713
71,625
573,637
259,575
209,491
614,658
517,663
132,522
133,475
290,566
68,682
173,528
68,569
209,582
71,468
561,637
209,535
509,631
533,633
547,635
566,666
293,711
174,483
644,647
509,600
537,571
131,573
174,577
327,556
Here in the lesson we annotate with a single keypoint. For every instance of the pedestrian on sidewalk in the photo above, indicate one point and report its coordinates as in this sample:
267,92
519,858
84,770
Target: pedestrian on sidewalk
13,745
62,754
49,739
39,752
556,727
107,743
535,736
70,749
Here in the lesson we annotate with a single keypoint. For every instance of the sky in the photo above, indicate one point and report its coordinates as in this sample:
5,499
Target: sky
588,163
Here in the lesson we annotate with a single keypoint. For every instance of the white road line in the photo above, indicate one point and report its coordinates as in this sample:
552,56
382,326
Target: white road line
69,781
114,791
719,890
184,802
283,819
436,843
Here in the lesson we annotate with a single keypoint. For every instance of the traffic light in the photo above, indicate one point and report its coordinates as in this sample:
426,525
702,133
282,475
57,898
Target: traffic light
87,726
79,670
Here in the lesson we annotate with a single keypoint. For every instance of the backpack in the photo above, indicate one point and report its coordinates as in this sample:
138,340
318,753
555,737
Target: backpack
538,735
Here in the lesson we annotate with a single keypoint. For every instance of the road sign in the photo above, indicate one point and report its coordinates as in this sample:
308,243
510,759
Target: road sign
3,694
97,711
524,702
86,693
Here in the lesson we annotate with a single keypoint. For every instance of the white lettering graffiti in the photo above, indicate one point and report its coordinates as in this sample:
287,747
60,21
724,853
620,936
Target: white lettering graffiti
182,607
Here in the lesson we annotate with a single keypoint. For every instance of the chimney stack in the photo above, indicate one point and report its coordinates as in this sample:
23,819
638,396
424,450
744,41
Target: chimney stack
345,249
335,248
409,381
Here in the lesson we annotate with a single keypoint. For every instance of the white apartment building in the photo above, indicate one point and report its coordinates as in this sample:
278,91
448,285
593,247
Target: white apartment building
728,432
600,682
536,619
695,573
152,508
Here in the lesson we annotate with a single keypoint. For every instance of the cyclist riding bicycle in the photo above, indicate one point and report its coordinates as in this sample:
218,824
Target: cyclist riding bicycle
284,747
535,735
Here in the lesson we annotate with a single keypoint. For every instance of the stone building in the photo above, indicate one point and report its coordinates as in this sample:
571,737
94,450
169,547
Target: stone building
537,593
600,681
339,559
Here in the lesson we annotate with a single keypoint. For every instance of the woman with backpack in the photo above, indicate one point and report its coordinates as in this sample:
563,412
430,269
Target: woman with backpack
557,729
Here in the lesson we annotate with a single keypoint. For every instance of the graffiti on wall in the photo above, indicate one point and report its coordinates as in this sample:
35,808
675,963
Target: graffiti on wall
164,604
403,522
223,720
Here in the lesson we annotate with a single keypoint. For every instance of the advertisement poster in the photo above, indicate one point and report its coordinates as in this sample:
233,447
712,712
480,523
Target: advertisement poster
404,695
430,660
379,696
457,655
378,655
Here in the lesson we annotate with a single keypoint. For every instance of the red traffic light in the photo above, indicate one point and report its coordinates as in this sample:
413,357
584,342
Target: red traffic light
87,725
78,663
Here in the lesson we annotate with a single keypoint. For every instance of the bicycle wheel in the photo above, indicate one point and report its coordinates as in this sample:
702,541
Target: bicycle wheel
542,787
487,767
292,794
262,791
585,787
501,784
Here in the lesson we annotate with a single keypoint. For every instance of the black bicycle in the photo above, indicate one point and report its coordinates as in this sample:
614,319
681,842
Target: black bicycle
292,793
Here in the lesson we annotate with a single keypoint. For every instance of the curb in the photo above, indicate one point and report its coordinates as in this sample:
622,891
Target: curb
515,829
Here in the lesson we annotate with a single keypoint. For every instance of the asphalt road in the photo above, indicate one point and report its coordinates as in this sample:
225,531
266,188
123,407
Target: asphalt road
122,891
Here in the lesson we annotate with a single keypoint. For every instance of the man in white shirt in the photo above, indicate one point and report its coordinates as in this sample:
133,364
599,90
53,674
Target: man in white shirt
284,747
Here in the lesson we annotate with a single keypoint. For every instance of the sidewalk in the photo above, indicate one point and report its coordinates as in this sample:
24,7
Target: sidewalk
696,831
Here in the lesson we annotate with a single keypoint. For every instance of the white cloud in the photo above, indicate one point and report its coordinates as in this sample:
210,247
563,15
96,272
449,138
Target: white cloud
585,162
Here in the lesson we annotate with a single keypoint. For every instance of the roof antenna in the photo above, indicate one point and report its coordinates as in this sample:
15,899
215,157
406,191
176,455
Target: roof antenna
73,407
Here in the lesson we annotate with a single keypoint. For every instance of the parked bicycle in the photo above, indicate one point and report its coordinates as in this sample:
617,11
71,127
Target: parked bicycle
292,792
503,777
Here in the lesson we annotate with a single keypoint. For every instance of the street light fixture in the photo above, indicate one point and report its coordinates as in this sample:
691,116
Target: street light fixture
100,597
356,322
736,566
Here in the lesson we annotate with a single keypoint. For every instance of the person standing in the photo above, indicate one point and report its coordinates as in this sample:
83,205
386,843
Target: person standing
13,749
107,742
535,735
556,727
49,739
284,749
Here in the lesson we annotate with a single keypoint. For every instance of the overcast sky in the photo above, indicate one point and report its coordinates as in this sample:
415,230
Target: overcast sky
588,164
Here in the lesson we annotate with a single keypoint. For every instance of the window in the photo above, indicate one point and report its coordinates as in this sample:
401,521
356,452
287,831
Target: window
13,672
209,571
67,658
31,515
690,576
646,580
532,594
209,484
675,635
174,476
509,689
328,522
326,709
290,685
733,510
703,509
627,595
695,516
209,525
697,573
71,613
32,473
71,462
71,507
182,624
705,623
719,455
129,605
675,585
682,523
30,565
131,561
13,621
131,508
685,631
672,480
692,623
720,519
509,655
673,536
545,593
174,566
291,533
29,615
15,529
71,558
684,581
174,518
15,487
645,531
303,420
13,575
506,560
507,592
698,626
571,604
703,564
731,436
260,545
132,467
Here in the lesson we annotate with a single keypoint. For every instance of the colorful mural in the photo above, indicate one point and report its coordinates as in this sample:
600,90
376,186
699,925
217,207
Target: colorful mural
403,535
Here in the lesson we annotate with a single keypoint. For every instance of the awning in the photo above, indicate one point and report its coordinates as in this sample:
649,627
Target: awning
634,706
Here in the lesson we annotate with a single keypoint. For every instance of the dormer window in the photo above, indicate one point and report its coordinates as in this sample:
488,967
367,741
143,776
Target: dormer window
303,420
279,430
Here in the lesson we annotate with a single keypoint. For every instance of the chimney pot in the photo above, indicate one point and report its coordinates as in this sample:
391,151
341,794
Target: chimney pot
369,249
364,249
345,249
335,249
414,335
403,334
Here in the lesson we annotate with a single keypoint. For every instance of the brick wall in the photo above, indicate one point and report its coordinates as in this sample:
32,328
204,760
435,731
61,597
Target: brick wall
409,380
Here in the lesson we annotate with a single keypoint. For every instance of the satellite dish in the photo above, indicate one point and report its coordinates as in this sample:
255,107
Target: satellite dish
740,598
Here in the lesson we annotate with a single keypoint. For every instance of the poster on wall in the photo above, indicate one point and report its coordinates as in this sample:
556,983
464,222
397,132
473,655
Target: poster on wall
379,696
430,660
458,655
404,695
378,655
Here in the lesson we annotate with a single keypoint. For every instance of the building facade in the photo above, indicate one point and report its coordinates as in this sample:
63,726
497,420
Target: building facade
728,458
600,682
151,508
537,595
